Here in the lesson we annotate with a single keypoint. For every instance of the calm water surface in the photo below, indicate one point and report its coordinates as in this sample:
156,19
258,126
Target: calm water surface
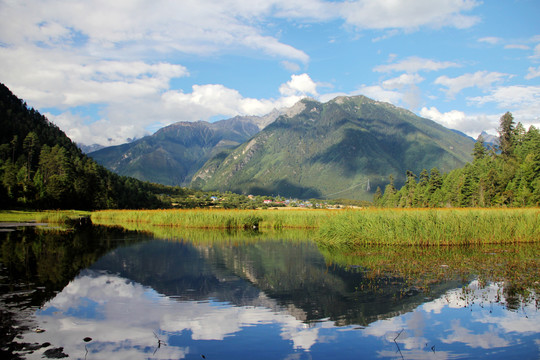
107,294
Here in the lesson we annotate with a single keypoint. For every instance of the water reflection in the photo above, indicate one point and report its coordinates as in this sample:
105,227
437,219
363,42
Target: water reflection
283,299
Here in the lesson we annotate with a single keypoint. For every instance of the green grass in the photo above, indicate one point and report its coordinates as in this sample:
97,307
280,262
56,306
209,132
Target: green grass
334,228
352,228
216,218
48,216
426,227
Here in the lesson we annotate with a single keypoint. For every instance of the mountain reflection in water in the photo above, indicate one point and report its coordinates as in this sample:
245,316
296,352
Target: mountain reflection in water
273,300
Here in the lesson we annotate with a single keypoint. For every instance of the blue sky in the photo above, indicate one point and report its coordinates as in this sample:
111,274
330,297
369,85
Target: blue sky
109,71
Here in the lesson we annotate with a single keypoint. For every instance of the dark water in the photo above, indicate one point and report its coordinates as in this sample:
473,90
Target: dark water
109,294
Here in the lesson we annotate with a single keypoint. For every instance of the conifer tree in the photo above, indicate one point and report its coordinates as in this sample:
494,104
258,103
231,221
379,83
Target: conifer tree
506,134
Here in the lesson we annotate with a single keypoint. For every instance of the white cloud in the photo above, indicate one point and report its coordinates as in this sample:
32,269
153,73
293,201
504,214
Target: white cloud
490,40
517,46
511,97
403,81
522,101
533,73
408,15
116,28
133,117
47,78
299,85
536,52
117,54
415,64
480,79
471,125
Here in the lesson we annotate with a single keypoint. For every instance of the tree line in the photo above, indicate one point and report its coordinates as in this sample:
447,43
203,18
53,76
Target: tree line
40,167
507,174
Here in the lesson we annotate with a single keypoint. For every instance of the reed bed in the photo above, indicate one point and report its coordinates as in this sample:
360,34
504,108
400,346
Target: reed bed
355,227
426,227
47,216
216,218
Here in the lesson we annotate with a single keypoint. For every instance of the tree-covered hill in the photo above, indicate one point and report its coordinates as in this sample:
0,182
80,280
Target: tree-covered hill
344,148
174,153
507,174
40,167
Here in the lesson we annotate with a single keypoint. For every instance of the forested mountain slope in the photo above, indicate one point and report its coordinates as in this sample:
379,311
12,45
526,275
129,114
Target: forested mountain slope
175,152
40,167
344,148
505,175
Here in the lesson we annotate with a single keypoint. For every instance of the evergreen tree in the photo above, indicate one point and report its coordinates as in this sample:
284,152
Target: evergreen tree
506,134
479,150
377,196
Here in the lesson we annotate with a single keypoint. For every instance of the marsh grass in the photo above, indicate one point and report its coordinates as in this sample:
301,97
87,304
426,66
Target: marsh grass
216,218
353,227
427,227
62,217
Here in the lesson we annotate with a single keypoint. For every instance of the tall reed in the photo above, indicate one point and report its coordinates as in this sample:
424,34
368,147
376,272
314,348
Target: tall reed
430,227
216,218
350,228
46,216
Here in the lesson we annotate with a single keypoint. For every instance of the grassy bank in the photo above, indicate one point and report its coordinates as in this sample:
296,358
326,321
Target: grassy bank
334,228
351,228
216,218
48,216
430,227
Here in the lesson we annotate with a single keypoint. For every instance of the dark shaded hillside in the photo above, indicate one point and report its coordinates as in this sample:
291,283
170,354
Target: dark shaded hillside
343,148
40,167
173,154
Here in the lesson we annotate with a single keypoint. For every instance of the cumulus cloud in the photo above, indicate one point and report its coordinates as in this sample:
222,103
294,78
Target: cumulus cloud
471,125
408,15
522,101
480,79
511,96
137,116
415,64
402,81
299,85
118,55
48,78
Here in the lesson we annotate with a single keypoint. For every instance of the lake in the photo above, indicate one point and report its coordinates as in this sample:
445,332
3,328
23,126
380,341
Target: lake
105,293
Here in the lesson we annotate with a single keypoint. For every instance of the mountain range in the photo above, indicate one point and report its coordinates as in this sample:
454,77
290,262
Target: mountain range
173,154
343,148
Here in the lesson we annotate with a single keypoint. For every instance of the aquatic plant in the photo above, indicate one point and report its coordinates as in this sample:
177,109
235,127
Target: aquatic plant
429,227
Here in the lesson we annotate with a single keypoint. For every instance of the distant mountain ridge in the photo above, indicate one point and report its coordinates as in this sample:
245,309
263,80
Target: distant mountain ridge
174,153
343,148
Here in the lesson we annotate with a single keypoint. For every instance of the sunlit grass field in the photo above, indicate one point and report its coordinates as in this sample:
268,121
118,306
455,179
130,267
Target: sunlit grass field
47,216
355,227
217,218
